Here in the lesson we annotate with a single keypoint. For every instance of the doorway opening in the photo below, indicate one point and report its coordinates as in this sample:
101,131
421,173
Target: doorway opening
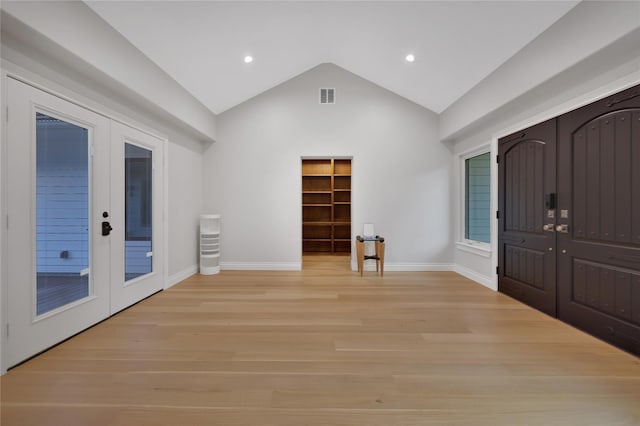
326,207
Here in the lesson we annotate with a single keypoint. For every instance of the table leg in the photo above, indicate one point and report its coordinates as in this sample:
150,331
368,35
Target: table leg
380,256
360,256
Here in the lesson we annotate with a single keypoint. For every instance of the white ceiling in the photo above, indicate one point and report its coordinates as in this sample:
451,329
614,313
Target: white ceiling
202,44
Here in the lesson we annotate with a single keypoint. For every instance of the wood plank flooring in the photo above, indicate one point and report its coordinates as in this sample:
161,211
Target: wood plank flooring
326,347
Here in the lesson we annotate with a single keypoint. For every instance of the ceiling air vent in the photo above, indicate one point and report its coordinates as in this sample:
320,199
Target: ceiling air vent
327,96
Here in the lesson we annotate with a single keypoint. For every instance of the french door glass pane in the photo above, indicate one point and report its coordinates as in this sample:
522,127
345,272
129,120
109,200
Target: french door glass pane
138,211
62,213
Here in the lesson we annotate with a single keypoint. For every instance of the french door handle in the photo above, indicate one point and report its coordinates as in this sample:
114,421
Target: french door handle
106,228
563,228
548,227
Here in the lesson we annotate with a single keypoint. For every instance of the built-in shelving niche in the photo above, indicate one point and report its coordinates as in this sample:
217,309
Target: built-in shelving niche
326,206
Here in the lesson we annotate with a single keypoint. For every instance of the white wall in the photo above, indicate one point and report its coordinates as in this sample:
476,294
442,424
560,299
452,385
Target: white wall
185,178
78,38
400,174
584,31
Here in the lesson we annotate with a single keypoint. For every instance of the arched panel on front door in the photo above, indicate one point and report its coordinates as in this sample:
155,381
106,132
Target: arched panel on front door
526,224
599,259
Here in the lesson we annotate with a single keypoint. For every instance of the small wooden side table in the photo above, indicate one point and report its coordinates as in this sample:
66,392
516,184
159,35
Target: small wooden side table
379,256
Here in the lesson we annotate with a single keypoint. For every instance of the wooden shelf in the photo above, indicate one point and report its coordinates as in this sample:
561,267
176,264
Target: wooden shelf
342,246
316,183
342,231
342,212
341,183
342,167
342,196
316,198
316,246
312,231
316,214
320,166
326,206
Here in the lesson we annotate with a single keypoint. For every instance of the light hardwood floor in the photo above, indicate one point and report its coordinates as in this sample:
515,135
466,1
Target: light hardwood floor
326,347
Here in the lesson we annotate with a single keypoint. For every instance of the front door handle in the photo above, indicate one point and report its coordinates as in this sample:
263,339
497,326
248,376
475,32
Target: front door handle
106,228
548,227
563,228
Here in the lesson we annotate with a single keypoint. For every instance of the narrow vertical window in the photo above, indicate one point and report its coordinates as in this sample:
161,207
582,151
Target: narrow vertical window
138,180
478,198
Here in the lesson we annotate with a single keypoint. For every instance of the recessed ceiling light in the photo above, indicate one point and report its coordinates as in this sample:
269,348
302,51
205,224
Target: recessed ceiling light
248,59
410,58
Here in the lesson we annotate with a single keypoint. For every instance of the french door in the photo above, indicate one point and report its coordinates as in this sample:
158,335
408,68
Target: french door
136,206
85,234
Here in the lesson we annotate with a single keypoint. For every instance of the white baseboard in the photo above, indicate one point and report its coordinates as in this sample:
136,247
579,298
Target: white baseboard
261,266
474,276
418,267
390,267
406,267
182,275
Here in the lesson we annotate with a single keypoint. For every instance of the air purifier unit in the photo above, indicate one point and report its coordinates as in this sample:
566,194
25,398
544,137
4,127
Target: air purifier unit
209,244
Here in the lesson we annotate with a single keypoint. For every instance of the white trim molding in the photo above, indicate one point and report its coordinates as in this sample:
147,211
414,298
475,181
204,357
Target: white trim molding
479,249
418,267
474,276
261,266
181,276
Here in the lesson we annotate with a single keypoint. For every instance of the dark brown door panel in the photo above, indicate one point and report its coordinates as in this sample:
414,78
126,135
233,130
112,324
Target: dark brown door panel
598,253
526,224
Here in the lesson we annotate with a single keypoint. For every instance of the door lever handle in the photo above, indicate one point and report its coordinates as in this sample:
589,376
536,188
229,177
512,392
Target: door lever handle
563,228
106,228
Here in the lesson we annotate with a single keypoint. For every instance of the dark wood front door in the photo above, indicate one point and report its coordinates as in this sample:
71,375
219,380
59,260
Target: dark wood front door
599,206
526,221
576,255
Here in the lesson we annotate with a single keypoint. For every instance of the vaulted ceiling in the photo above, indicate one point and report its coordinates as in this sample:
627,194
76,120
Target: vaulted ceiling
202,44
